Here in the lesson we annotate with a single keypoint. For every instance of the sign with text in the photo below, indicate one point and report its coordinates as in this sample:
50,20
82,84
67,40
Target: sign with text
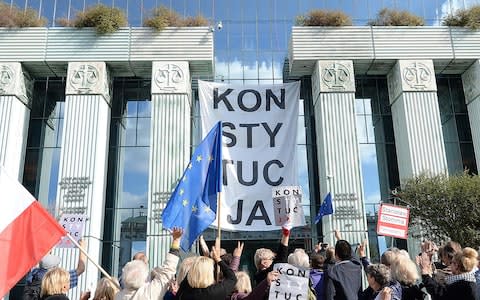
73,224
287,206
393,221
259,150
292,283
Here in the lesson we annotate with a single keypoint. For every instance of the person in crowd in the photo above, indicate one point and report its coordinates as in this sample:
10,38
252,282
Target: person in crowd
181,274
344,279
55,284
378,278
50,261
265,258
106,289
34,278
405,272
316,274
446,255
200,282
135,275
141,256
460,285
243,288
387,259
299,258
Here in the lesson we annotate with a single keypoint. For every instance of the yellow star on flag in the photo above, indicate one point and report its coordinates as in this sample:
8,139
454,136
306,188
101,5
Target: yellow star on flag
194,208
210,158
185,202
199,158
181,192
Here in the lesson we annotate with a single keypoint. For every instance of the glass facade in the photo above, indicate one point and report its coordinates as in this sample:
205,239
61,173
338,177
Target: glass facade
250,48
127,187
455,125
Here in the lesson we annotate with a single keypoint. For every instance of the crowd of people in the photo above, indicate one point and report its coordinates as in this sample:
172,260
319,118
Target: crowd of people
334,273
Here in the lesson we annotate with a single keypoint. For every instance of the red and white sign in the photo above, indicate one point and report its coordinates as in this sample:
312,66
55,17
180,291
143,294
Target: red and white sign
393,221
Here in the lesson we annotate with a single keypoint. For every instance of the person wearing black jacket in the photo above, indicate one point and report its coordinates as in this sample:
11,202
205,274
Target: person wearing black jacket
200,283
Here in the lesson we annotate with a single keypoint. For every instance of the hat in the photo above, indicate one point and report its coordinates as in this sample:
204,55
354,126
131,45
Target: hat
49,261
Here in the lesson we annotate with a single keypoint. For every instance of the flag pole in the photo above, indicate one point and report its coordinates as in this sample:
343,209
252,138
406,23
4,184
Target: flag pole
217,240
219,205
94,262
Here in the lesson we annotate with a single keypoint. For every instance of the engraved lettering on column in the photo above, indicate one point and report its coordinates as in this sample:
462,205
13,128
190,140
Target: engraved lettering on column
417,75
73,189
169,77
84,78
336,76
6,78
159,201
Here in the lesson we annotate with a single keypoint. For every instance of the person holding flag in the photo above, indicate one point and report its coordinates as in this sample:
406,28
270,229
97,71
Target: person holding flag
193,204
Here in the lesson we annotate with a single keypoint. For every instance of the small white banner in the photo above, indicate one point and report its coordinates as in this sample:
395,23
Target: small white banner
287,206
73,224
259,147
292,283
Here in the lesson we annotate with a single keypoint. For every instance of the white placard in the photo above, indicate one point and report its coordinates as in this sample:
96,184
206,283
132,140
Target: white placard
287,206
292,283
259,151
73,224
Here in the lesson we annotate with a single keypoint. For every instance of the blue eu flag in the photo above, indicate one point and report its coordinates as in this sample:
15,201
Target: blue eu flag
193,203
325,209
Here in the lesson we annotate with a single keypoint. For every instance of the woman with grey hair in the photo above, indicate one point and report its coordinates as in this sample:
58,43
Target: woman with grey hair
378,278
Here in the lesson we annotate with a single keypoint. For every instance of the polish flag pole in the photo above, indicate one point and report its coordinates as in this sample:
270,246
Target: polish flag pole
93,261
27,232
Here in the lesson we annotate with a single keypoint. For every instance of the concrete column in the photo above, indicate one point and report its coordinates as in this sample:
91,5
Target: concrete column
169,147
15,96
333,88
83,160
416,119
417,126
470,79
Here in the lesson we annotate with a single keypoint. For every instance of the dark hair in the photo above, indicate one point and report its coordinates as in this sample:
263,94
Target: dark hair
343,250
227,258
450,249
317,260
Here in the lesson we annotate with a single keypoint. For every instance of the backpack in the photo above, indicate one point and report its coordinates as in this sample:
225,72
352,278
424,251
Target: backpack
32,289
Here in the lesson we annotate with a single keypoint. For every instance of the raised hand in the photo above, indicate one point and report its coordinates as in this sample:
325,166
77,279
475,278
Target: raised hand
238,251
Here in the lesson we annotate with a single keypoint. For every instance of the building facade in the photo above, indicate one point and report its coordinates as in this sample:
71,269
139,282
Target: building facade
104,125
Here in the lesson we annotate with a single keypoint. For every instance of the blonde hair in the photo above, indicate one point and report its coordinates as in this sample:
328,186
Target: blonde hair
184,268
299,259
261,254
243,283
466,259
201,273
55,281
106,289
404,270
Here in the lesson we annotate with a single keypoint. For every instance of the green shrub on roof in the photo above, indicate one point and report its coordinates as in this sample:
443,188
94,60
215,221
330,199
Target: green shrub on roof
392,17
319,17
469,18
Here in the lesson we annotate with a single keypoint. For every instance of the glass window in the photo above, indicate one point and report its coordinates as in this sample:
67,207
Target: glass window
42,157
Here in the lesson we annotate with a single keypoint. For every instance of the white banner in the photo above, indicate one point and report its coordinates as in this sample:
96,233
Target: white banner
73,224
259,152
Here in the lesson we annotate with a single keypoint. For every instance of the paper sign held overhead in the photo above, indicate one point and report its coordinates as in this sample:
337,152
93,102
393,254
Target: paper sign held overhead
393,221
287,206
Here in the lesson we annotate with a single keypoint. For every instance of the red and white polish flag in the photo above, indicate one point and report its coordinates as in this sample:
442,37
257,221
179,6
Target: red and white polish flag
27,232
